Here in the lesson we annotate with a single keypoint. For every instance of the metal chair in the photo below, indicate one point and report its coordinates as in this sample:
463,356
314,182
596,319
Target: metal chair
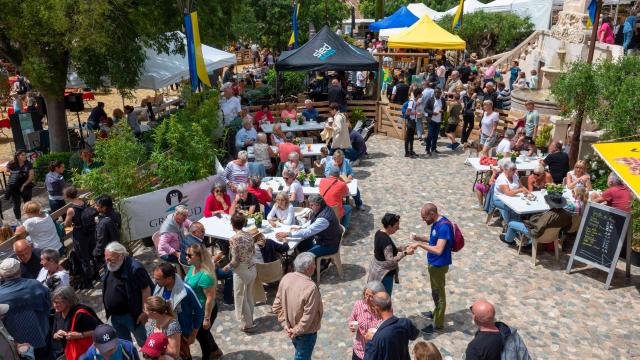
333,257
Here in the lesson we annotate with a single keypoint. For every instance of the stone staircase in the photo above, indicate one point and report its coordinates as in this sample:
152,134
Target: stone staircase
519,53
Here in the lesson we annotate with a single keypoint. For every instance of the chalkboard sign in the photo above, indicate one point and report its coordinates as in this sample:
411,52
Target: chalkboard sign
600,238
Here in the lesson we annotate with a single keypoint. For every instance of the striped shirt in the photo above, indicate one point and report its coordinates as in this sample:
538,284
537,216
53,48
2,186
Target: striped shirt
236,174
366,320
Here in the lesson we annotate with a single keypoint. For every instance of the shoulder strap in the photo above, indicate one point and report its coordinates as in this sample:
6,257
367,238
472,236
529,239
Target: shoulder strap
73,321
329,188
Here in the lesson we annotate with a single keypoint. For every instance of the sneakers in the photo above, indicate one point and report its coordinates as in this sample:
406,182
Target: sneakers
428,314
455,146
476,207
497,223
503,238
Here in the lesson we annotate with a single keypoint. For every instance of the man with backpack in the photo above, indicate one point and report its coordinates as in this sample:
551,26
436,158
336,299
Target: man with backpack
82,217
107,227
400,92
494,339
410,115
438,246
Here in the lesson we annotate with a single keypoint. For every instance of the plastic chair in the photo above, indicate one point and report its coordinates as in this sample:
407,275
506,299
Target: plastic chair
266,274
333,257
550,235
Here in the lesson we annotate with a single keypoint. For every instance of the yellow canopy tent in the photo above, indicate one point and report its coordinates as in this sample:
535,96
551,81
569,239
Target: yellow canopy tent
426,34
624,159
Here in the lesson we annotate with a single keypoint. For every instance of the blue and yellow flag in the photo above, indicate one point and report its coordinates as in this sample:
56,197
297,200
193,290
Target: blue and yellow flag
457,18
197,68
592,13
294,35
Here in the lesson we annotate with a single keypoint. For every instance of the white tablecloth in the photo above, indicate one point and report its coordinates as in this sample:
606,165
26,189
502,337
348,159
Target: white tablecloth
275,182
306,152
523,164
306,126
522,206
220,228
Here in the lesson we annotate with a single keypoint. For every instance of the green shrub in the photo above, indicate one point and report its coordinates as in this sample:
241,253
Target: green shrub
41,165
292,82
356,114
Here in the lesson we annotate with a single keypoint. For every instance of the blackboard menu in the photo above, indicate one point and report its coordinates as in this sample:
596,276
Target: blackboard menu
600,237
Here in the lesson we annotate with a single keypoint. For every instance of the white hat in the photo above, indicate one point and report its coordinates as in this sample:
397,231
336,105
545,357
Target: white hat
4,308
9,267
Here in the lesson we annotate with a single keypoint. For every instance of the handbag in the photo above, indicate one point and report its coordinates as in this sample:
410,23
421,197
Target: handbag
75,348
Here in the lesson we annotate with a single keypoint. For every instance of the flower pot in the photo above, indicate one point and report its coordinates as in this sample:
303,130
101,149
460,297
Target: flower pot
258,224
312,183
513,160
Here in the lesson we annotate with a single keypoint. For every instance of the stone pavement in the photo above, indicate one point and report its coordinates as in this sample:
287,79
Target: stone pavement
559,315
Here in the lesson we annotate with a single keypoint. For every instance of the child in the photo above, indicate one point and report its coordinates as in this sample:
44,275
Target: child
320,163
533,80
455,109
580,197
482,188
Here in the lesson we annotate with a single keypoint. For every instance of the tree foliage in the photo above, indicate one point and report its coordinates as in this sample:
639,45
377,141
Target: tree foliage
496,32
368,7
607,91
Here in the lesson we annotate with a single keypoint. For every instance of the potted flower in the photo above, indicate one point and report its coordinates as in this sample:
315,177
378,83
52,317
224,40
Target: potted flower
288,121
300,119
257,218
296,141
500,156
301,177
555,188
513,155
312,179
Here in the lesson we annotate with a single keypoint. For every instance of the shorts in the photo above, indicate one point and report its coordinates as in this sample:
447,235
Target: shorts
482,188
451,128
487,141
530,139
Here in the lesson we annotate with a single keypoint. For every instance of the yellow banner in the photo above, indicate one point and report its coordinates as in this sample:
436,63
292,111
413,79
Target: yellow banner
624,159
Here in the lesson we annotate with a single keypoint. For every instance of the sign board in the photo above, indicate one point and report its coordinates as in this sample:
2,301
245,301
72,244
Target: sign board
600,238
145,213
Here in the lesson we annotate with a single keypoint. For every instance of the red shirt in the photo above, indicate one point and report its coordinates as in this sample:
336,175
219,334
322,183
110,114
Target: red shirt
619,197
261,194
287,148
261,116
333,191
212,204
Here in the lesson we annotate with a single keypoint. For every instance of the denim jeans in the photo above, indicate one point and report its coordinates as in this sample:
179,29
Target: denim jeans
628,36
227,276
387,282
357,199
419,129
125,325
505,212
351,154
347,215
513,229
170,258
319,250
432,137
304,346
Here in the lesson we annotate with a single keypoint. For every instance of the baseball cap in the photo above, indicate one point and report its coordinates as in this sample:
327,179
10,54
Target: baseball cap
155,345
105,338
9,267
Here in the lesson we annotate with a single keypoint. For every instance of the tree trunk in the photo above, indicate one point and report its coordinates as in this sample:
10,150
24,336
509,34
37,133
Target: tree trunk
379,9
575,137
58,136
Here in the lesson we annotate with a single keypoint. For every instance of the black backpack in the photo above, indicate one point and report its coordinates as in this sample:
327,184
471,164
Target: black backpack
88,218
22,86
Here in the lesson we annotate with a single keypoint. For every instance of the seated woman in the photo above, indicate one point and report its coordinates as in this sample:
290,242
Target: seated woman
236,172
263,115
504,146
244,201
539,179
264,196
263,153
293,187
289,112
282,211
39,228
578,177
482,188
580,195
508,183
294,164
277,136
520,142
218,202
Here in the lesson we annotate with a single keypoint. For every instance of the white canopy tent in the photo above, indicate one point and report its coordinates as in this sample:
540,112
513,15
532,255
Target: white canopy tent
419,10
162,70
539,11
469,7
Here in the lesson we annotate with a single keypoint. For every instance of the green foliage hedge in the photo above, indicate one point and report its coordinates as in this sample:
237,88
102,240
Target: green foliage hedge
41,165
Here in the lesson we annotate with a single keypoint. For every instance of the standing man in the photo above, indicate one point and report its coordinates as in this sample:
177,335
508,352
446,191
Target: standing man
107,228
229,104
29,305
391,340
400,92
433,110
125,286
298,306
184,304
336,94
411,117
361,83
438,247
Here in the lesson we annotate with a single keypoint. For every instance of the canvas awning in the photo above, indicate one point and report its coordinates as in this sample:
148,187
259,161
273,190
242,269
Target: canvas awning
426,34
624,159
162,70
539,11
326,51
403,17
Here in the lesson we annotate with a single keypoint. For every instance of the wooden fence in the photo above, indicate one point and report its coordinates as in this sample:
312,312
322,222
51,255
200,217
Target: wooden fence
244,57
368,108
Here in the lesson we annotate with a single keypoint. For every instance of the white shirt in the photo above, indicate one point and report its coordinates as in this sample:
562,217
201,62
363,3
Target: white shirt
63,275
502,180
42,233
437,107
411,107
287,216
295,188
427,93
504,146
487,123
230,108
360,78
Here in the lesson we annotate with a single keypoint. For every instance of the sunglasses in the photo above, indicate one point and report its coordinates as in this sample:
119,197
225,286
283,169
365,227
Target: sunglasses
189,255
218,191
286,178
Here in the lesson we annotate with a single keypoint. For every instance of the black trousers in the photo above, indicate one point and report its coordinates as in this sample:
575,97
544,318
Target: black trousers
83,248
205,337
408,136
17,197
467,127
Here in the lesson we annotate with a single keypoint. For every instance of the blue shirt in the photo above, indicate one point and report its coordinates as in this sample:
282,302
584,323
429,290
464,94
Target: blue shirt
310,114
345,168
244,135
514,74
311,228
441,229
629,24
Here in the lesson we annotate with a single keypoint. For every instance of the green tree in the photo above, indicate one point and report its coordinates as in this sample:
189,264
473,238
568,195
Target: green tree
98,38
503,30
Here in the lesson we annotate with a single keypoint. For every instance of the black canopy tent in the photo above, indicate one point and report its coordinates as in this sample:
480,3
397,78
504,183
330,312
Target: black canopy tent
326,51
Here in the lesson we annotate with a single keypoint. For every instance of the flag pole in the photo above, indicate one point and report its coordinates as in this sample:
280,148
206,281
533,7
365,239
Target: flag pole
594,32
